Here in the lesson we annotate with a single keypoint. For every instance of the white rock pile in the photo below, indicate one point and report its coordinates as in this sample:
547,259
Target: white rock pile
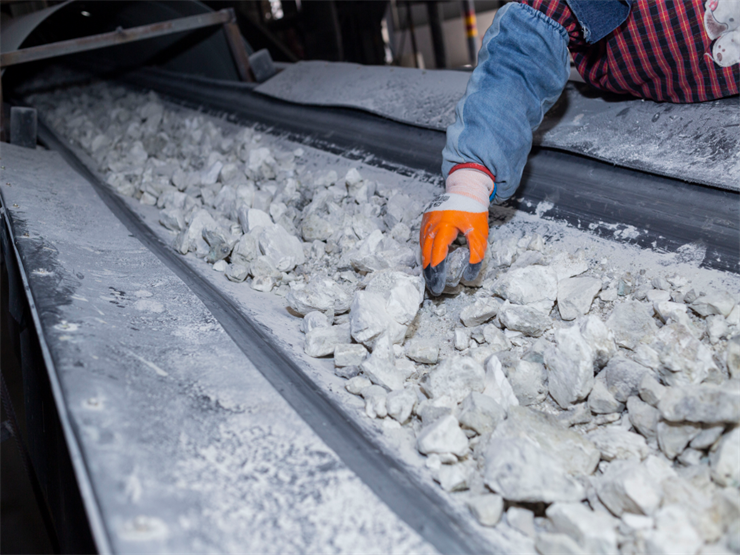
592,410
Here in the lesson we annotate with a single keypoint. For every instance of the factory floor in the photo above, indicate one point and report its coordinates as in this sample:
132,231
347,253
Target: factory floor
21,525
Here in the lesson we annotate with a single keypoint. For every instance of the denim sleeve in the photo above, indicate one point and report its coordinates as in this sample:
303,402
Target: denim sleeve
523,67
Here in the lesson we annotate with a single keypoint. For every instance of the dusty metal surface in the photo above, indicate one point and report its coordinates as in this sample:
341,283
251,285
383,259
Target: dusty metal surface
179,442
119,36
699,143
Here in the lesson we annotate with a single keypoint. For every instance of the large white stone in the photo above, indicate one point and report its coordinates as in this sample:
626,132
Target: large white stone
497,386
381,370
256,218
627,487
519,470
601,400
480,413
529,382
284,250
599,338
674,437
631,323
443,436
617,443
313,320
570,367
673,533
423,351
369,319
570,450
454,377
705,403
528,320
725,460
350,354
531,285
593,531
400,403
643,417
479,312
321,342
547,543
683,358
575,296
487,508
375,401
623,377
714,303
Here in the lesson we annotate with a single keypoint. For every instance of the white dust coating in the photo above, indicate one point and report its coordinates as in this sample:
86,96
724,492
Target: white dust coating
287,476
149,364
639,326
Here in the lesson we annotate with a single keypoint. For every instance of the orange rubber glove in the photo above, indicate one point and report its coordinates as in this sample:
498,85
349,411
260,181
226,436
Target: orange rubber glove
463,208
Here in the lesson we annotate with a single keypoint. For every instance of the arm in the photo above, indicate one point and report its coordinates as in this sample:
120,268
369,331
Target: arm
523,67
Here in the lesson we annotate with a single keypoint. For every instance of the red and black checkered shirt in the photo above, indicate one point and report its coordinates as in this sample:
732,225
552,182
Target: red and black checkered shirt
662,52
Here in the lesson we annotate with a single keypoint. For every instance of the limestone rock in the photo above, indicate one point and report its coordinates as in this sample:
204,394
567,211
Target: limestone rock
400,403
283,249
531,285
375,401
452,477
570,367
574,453
236,272
479,312
480,413
601,401
495,338
725,461
520,471
575,296
381,370
617,443
255,218
529,382
643,417
650,390
497,385
525,319
350,354
673,533
321,342
462,339
246,249
443,436
425,352
623,377
715,303
454,377
683,358
599,338
357,384
707,437
487,508
705,403
627,487
172,218
313,320
593,531
547,543
631,323
522,520
673,438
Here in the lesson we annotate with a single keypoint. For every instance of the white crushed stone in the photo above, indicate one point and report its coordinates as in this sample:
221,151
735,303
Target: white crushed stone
602,388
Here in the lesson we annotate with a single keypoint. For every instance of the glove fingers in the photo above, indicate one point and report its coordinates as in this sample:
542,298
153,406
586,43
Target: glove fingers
478,239
471,271
435,277
445,235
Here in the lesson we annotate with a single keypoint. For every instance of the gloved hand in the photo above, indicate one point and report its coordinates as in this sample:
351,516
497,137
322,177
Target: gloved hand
463,208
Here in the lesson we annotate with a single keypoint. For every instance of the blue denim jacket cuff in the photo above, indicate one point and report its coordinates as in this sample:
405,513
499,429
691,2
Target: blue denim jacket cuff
598,18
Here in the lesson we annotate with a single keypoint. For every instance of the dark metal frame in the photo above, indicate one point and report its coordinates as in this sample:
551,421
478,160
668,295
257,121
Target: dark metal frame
225,17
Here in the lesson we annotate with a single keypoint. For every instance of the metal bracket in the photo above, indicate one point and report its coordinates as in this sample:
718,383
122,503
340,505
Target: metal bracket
225,17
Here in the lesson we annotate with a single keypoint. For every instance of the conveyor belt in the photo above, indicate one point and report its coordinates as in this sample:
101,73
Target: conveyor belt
660,213
419,504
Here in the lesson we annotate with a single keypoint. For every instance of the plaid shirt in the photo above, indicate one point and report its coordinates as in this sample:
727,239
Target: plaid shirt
661,52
